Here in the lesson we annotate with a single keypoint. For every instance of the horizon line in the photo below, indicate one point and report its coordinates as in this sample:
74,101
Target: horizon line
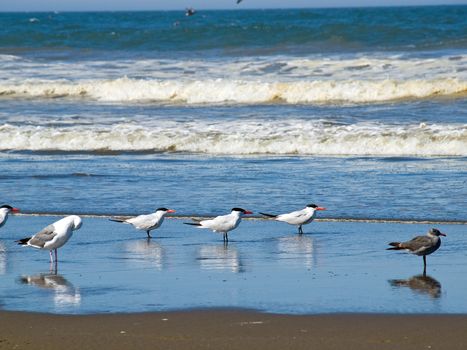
237,9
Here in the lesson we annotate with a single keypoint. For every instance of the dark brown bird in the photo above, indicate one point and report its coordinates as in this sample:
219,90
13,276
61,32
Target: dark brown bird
421,245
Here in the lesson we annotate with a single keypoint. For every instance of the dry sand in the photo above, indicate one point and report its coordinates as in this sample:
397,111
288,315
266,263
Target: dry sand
227,329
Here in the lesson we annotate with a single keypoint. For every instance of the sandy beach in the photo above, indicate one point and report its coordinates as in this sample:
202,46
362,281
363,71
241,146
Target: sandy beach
227,329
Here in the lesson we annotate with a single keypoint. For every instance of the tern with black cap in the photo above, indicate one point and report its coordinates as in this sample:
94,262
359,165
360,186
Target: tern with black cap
297,218
147,222
224,223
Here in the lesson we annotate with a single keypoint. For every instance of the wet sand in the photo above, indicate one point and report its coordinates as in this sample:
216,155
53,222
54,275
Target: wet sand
231,329
111,268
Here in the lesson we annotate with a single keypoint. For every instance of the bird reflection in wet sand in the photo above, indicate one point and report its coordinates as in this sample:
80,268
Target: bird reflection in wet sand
297,249
65,293
220,257
147,252
421,284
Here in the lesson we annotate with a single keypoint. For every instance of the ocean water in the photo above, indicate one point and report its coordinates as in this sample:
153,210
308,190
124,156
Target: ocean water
362,111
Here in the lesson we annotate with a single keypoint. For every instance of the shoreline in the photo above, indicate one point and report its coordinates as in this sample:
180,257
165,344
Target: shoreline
231,329
255,217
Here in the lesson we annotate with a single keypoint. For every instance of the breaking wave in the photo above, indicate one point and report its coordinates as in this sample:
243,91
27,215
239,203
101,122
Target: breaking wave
218,91
253,137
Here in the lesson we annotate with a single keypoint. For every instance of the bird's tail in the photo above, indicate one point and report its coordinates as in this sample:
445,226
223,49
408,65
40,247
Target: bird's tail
395,246
269,215
117,219
23,241
398,283
192,223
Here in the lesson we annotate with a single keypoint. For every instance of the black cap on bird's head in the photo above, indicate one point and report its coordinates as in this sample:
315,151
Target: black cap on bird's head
10,208
166,210
436,232
315,207
243,211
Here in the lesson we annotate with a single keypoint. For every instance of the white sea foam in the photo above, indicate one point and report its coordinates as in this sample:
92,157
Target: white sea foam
358,79
8,58
258,137
238,91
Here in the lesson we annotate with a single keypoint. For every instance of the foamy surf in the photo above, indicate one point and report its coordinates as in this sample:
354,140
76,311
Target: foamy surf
219,91
234,91
252,137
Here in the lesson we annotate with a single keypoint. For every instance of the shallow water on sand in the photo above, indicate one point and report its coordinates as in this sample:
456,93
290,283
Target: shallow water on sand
335,267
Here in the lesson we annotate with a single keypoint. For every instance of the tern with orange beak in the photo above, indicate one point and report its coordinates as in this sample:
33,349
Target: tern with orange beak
224,223
4,211
147,222
297,218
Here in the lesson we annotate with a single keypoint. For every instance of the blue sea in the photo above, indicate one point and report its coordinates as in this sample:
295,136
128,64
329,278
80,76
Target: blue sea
360,110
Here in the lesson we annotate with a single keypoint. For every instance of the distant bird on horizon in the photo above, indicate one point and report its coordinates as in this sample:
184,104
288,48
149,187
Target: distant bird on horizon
297,218
421,245
190,11
224,223
147,222
53,236
4,211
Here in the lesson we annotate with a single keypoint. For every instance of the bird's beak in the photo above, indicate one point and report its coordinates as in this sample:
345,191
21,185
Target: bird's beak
248,212
170,211
320,208
442,234
15,210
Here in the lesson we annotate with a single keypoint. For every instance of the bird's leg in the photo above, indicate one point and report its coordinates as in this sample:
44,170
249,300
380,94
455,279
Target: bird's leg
149,235
51,257
424,266
300,230
53,268
56,255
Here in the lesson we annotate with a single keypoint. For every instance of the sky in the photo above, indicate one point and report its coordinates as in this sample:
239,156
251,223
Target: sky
118,5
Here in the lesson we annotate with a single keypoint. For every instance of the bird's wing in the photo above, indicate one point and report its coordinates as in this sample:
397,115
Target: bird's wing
42,237
219,223
417,243
294,218
142,221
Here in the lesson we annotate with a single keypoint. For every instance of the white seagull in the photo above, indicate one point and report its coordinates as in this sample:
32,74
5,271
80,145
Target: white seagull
224,223
297,218
54,236
421,245
147,222
4,211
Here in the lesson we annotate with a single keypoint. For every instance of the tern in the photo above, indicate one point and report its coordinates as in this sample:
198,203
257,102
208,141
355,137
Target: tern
4,211
224,223
297,218
53,236
147,222
421,245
